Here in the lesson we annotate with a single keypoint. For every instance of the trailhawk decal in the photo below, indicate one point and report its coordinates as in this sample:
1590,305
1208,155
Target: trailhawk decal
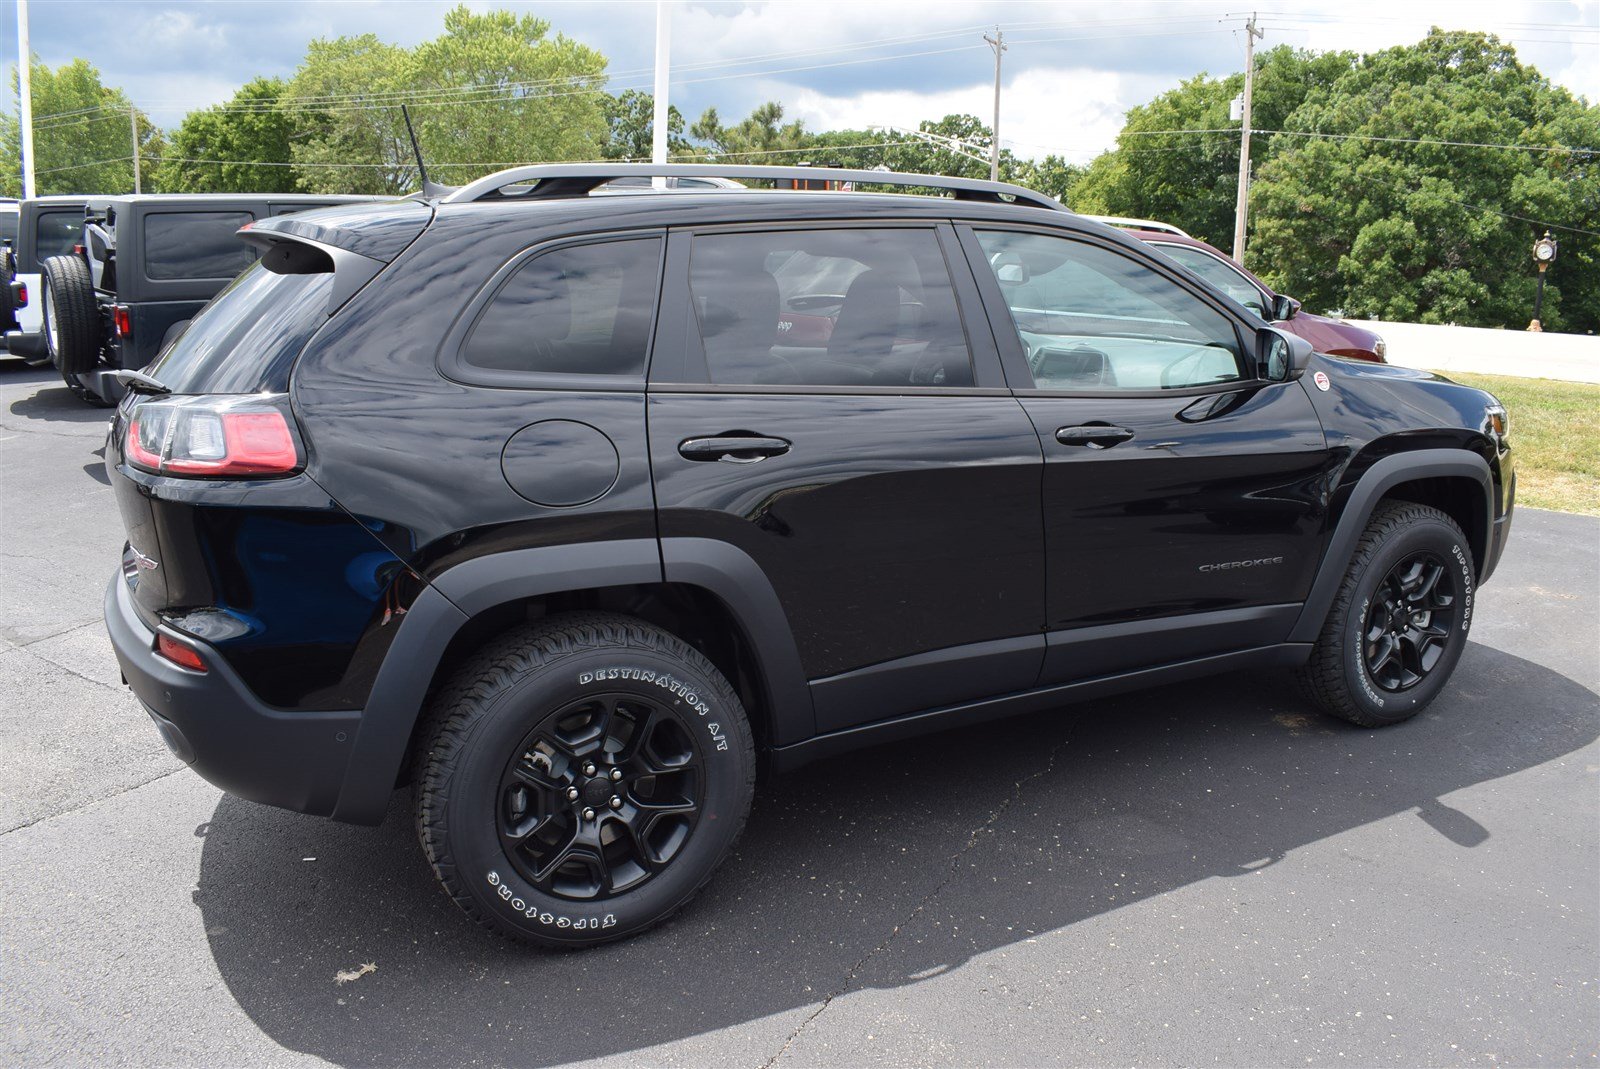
545,917
666,681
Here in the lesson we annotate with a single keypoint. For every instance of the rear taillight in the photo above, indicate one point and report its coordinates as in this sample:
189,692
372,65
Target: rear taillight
212,437
180,654
22,295
124,321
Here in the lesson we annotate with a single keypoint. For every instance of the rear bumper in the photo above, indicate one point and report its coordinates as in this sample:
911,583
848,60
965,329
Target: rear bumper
212,722
27,345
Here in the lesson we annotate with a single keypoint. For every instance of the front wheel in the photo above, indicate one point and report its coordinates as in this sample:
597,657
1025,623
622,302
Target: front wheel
1399,622
582,779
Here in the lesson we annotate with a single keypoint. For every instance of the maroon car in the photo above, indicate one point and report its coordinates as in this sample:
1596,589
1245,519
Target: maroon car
1325,335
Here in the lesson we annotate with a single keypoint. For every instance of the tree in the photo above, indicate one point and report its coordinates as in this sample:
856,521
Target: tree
493,90
1410,230
82,137
763,134
242,146
1191,179
630,122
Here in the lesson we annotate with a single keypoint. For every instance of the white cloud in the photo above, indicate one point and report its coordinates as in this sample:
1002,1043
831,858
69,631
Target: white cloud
1072,113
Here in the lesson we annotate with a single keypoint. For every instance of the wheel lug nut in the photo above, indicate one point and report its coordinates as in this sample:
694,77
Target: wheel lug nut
588,769
588,814
616,803
616,775
572,794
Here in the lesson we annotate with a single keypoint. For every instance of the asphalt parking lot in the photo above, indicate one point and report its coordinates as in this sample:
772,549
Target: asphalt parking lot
1206,874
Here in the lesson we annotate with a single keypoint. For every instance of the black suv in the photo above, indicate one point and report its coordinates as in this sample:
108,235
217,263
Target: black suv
566,507
141,267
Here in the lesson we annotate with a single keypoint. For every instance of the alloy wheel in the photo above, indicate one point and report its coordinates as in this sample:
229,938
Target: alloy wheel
1410,620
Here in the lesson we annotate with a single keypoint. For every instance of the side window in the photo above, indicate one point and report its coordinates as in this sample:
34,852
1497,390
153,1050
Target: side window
1227,279
827,308
195,244
56,232
1093,319
575,310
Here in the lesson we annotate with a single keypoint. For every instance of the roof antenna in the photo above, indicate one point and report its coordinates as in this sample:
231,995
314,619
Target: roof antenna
428,188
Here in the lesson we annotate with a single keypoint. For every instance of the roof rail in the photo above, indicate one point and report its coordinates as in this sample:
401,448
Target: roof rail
551,180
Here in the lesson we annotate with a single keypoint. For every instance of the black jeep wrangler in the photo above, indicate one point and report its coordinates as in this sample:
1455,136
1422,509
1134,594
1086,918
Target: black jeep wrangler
141,268
566,507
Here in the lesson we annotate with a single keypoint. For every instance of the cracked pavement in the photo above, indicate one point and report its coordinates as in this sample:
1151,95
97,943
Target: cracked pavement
1202,874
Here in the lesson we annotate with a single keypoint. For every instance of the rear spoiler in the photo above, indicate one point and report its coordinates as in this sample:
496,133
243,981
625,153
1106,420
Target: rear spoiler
352,242
291,254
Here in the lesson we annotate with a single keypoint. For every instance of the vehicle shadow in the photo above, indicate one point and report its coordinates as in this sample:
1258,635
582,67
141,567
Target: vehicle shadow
52,401
1018,828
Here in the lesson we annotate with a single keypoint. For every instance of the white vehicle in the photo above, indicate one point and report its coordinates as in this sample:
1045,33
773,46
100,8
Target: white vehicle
1122,222
45,226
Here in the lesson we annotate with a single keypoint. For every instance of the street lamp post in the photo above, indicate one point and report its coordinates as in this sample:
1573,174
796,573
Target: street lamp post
1544,254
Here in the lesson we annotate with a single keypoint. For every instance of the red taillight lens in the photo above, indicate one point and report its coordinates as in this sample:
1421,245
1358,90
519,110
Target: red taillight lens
179,654
124,321
22,295
211,438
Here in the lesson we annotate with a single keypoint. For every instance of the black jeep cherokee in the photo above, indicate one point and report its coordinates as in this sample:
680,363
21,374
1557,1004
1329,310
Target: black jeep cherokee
563,507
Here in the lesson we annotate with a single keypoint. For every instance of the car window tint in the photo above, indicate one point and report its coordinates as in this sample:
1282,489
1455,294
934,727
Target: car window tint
577,310
8,227
195,244
56,232
827,307
1094,319
1224,276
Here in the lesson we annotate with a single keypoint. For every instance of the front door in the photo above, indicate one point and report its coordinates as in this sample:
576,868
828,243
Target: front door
816,402
1182,494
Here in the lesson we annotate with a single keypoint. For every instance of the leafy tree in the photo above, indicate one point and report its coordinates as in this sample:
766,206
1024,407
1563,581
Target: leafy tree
82,139
208,151
630,119
1428,232
1191,180
763,134
494,89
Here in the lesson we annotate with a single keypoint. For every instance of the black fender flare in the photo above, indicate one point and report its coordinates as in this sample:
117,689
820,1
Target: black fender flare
467,589
1376,481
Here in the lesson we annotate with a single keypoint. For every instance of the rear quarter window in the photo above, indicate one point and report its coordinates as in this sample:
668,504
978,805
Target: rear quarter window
246,340
195,244
56,232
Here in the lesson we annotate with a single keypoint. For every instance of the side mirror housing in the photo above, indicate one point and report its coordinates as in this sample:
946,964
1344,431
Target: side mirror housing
1284,308
1009,269
1281,356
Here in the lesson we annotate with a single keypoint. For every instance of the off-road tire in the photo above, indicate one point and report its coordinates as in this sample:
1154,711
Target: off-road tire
71,316
1337,677
478,722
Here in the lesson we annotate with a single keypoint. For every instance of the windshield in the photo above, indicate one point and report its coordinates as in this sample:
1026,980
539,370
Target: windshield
1223,275
247,338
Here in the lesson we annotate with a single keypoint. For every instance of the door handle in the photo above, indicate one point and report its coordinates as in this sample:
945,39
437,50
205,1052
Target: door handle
733,448
1093,435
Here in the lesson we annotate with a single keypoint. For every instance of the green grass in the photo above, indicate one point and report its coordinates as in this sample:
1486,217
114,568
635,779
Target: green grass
1555,437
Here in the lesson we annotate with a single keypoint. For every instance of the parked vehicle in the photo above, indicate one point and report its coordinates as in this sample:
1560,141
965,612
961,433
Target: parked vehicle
395,511
46,226
1329,336
13,293
1123,222
140,267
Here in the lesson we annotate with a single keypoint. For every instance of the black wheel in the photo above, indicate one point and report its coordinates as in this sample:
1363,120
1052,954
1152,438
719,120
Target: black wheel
1399,622
71,316
582,779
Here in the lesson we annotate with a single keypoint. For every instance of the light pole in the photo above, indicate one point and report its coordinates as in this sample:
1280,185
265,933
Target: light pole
1544,254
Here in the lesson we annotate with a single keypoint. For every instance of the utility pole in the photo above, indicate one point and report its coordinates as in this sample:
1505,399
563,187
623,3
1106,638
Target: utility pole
133,121
659,123
998,43
25,85
1241,211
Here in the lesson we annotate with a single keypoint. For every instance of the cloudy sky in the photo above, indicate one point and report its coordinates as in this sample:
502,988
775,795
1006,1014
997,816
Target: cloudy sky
1071,69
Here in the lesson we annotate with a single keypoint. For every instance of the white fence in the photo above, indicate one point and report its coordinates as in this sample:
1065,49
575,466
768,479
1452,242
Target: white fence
1573,357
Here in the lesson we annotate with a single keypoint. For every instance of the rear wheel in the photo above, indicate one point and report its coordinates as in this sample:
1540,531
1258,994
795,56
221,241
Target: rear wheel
1399,622
71,317
582,779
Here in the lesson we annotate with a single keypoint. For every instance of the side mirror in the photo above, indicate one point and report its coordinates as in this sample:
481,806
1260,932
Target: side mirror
1281,356
1009,269
1284,308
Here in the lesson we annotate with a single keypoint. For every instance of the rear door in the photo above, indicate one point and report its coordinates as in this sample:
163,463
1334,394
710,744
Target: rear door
1182,495
822,400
